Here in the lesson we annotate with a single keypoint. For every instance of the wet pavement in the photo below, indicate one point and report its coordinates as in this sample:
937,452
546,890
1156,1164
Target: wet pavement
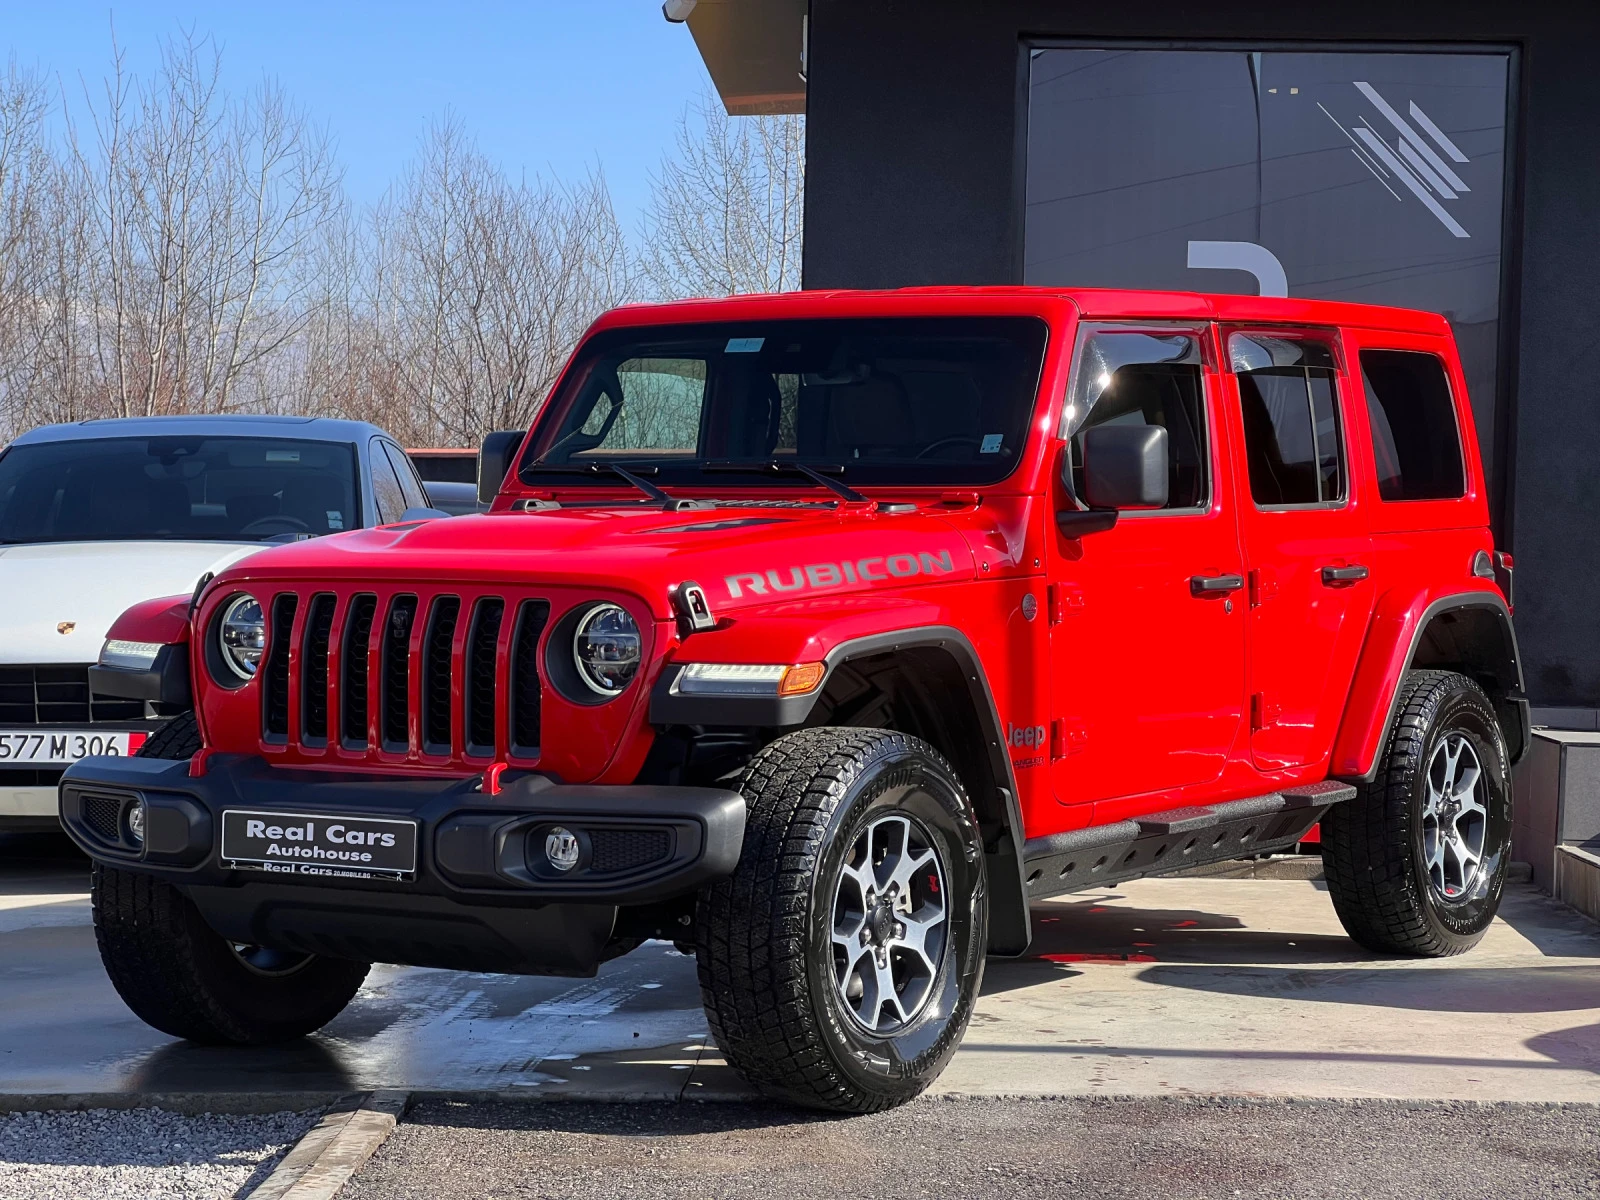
1162,987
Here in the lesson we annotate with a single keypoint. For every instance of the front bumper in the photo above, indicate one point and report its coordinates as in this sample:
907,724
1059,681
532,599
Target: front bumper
481,898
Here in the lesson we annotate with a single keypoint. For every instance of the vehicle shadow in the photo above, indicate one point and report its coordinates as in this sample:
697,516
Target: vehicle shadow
41,864
307,1065
1451,988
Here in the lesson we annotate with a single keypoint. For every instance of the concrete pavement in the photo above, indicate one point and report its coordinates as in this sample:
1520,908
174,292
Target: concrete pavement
1163,987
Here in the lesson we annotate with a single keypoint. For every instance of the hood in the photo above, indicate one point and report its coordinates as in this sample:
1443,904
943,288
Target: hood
59,598
741,556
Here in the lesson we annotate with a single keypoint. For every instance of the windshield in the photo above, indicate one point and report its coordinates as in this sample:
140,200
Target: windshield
921,401
176,488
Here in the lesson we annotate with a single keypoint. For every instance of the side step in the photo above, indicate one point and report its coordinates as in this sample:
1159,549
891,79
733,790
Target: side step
1180,837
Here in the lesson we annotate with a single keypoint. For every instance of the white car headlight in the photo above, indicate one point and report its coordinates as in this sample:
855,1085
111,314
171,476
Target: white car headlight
130,656
242,635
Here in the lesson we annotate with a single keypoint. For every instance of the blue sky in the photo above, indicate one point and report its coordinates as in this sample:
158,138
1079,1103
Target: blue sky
545,86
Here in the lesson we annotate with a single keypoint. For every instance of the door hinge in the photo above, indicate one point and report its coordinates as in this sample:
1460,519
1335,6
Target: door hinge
1065,601
1262,587
1067,738
1263,713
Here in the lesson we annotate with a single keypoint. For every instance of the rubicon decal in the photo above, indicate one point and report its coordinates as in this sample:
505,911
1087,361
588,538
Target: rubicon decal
820,576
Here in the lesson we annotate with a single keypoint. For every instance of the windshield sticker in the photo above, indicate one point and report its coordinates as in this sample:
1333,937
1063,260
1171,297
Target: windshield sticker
991,443
283,456
335,519
744,345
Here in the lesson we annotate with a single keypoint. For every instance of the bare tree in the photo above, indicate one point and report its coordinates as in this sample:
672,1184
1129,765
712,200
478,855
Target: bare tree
480,286
725,209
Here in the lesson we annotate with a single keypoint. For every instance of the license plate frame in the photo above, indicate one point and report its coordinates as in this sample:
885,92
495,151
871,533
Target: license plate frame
45,747
383,848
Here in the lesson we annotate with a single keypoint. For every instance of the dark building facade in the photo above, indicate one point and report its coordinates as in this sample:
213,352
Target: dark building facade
1431,154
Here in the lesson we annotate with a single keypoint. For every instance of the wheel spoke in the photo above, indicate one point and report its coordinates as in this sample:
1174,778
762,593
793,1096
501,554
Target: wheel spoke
918,930
909,865
887,996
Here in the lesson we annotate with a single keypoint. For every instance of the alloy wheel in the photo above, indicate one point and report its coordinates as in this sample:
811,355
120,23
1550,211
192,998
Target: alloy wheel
1455,820
890,923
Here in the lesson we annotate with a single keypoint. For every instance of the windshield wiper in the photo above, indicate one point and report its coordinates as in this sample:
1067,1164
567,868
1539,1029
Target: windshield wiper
651,491
778,467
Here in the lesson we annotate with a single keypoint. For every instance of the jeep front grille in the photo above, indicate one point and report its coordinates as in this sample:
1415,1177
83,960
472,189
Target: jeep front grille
406,674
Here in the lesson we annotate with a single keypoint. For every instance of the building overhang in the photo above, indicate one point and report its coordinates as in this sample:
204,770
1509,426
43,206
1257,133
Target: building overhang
754,50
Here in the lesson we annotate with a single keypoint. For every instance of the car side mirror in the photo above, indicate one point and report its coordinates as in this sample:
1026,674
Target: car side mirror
1125,466
494,460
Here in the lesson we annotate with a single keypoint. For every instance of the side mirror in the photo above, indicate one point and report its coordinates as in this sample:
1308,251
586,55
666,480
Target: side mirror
1125,466
494,460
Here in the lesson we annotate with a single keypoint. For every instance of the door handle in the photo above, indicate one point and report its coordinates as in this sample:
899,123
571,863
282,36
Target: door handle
1214,585
1334,576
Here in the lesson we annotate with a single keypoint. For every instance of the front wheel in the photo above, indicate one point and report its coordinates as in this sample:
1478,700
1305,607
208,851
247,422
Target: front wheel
840,962
1416,863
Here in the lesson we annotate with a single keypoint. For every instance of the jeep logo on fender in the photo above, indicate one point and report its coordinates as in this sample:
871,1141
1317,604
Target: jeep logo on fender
1028,736
833,574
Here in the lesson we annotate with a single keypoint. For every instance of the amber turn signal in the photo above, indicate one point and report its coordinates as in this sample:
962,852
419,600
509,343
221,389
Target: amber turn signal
798,680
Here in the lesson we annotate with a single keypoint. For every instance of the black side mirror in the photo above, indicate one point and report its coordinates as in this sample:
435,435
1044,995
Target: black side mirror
498,452
1125,466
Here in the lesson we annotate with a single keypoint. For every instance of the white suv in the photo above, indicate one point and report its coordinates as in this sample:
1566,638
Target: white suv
100,515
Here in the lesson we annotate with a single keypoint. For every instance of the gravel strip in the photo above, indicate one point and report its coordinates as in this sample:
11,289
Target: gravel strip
1136,1149
105,1154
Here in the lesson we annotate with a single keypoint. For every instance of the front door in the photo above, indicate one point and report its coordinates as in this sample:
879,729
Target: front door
1147,637
1305,541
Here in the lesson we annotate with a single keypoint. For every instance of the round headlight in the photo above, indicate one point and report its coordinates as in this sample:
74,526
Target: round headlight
242,635
606,649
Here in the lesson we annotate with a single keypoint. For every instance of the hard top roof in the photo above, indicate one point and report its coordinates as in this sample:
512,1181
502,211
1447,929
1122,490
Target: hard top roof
1091,303
311,429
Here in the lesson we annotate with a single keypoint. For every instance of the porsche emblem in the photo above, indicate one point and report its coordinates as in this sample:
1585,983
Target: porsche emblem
66,626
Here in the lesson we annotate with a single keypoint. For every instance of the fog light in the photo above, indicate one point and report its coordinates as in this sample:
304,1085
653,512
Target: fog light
561,848
136,822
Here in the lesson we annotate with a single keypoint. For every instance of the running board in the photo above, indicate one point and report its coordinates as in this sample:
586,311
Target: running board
1178,838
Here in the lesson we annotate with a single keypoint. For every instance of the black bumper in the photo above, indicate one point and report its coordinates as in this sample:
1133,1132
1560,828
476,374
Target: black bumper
483,896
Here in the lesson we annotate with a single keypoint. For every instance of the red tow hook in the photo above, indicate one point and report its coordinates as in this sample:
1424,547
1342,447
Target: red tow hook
491,779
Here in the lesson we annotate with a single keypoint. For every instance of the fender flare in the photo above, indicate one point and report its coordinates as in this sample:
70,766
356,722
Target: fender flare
1010,927
1387,655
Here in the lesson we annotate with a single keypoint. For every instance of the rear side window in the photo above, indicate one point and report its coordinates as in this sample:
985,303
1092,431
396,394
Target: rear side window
1415,438
1291,422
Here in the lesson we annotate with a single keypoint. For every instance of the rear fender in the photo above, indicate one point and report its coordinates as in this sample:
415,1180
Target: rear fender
1469,632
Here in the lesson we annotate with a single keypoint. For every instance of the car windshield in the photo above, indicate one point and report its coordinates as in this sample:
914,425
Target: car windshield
907,401
176,488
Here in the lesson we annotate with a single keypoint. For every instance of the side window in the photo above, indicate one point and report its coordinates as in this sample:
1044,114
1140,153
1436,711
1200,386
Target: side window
386,492
1291,420
1415,438
1131,378
410,486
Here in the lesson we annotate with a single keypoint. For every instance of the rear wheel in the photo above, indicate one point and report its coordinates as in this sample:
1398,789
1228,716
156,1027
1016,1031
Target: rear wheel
840,962
182,977
1416,863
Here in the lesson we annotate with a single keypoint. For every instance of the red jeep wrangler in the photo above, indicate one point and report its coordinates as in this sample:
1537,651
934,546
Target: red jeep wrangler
820,634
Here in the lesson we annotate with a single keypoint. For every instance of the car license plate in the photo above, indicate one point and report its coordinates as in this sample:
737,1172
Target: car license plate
319,844
65,745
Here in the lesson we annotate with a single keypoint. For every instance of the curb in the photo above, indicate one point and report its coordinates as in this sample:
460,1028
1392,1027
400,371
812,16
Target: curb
322,1161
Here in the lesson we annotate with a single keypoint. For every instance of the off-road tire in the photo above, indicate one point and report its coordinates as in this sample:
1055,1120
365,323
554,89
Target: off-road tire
762,935
186,980
178,738
1372,846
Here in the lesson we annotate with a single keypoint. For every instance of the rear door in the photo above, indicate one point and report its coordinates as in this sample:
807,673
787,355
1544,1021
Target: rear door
1147,664
1306,545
